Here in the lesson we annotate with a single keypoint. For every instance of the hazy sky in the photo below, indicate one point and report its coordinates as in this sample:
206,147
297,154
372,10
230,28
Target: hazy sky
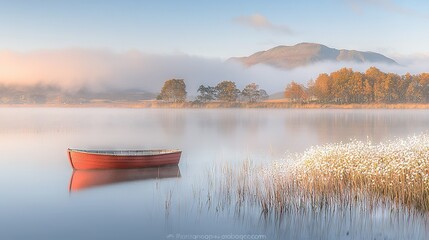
104,44
218,29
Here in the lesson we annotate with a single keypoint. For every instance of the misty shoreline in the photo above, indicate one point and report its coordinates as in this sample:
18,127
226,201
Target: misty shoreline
223,105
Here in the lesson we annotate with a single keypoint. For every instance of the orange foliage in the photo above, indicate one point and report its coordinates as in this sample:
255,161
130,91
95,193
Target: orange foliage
374,86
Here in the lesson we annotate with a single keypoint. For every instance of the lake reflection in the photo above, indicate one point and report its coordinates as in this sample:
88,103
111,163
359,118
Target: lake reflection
35,173
83,179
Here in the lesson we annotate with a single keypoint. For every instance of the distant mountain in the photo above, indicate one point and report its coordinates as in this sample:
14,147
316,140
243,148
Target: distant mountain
303,54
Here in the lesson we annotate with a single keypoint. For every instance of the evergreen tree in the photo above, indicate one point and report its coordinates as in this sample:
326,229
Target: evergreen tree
206,94
252,93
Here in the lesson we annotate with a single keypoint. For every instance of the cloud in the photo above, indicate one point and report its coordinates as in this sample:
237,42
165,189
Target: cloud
386,5
102,70
259,22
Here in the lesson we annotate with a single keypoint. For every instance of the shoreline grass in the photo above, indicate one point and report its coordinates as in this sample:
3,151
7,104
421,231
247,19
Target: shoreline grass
393,174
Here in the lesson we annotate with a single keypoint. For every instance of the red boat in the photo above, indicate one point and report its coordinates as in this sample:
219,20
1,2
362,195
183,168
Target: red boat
122,159
83,179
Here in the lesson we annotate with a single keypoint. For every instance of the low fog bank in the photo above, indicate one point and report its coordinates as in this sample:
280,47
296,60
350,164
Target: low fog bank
102,70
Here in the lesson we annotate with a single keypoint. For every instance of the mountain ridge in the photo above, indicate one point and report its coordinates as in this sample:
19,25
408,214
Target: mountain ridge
302,54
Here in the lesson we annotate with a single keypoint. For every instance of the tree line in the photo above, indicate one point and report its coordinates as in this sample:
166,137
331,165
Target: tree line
174,90
373,86
340,87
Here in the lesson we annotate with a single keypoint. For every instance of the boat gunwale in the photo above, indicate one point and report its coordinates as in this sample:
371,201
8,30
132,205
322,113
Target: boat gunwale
122,152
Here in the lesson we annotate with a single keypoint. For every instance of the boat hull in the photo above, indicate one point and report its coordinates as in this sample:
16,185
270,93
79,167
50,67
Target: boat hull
81,160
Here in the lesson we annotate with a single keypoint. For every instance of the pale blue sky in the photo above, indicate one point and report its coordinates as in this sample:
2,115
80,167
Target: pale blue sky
219,29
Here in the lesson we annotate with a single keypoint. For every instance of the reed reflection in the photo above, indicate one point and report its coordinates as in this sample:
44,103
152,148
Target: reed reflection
84,179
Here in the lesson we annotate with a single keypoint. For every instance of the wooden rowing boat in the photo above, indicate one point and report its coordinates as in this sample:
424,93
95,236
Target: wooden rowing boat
83,179
121,159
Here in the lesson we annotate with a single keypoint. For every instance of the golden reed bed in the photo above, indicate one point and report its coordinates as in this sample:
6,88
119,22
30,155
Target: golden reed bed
394,174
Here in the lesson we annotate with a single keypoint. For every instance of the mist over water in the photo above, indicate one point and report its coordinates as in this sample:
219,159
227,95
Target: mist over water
104,70
35,174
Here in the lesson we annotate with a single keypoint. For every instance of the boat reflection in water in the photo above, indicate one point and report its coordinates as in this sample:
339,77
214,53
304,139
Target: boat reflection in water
83,179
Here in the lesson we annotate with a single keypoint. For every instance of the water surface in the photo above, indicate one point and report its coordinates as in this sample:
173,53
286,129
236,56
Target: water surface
35,177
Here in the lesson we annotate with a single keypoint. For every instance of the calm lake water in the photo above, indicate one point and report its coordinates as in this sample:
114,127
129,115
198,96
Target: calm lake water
36,201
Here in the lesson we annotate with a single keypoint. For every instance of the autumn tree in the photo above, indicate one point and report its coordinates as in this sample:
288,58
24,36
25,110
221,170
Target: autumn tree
424,83
295,92
227,91
356,88
174,90
341,87
376,79
321,88
368,90
403,85
391,86
414,91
